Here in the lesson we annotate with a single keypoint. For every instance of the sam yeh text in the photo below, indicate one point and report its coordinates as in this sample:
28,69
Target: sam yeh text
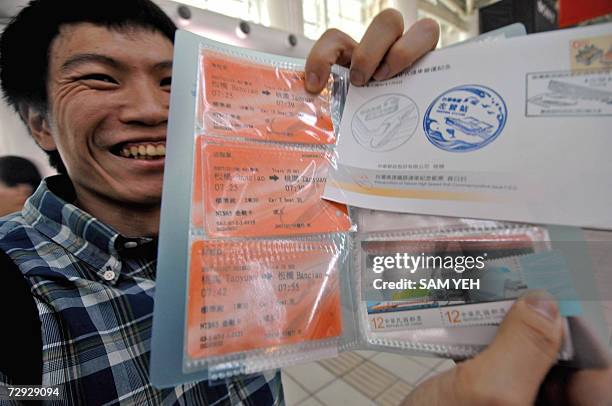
403,284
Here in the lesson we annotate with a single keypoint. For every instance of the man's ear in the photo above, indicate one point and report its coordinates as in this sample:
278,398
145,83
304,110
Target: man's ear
39,127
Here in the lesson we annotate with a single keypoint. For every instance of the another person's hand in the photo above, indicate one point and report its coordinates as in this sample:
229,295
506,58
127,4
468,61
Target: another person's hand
384,51
516,368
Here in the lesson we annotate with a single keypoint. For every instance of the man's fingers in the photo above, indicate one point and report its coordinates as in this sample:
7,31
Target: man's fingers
382,53
381,34
421,38
333,47
524,349
511,369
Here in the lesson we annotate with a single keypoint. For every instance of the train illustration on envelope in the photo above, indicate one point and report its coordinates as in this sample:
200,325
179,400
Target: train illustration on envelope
385,122
561,93
470,125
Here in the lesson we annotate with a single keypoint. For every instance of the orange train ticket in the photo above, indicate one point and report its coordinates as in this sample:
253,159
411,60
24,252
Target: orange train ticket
250,295
197,214
241,98
262,191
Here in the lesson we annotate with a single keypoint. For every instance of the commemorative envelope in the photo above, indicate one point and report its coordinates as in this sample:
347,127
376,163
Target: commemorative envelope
516,130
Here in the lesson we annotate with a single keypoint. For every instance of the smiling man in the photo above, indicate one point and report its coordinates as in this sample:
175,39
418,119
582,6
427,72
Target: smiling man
109,94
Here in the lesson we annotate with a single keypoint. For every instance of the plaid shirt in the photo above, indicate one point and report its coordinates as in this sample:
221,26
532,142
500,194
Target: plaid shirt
94,291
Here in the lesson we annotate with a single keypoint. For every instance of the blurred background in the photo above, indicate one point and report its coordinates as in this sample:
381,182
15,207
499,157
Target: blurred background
290,27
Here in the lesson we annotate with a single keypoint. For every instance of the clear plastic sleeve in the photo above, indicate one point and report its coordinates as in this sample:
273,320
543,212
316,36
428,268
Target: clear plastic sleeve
262,304
265,190
262,99
451,323
267,281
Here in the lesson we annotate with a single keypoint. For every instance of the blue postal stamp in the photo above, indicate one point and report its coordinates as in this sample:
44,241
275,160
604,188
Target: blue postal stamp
465,118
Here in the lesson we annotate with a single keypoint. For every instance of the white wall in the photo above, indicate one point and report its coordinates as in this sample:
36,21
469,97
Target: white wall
16,140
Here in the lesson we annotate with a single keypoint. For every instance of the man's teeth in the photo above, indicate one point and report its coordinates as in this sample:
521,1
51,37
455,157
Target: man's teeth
144,151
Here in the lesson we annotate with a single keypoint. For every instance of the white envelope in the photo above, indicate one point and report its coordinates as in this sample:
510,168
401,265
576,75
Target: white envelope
518,130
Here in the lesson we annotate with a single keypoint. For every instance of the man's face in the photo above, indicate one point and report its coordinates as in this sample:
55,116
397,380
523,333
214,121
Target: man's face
108,110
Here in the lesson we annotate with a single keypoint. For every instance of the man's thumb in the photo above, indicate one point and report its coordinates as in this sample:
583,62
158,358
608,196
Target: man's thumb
526,345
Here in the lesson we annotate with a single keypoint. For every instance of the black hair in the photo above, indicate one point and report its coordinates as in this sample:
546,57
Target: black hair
15,171
25,43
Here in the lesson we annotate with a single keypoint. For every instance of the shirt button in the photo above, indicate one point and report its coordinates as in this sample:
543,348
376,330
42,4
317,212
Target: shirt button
130,244
109,275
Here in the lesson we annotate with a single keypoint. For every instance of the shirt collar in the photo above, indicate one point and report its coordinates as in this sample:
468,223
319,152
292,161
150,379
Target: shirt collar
51,211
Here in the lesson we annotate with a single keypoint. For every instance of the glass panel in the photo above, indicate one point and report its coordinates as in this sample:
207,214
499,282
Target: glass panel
350,16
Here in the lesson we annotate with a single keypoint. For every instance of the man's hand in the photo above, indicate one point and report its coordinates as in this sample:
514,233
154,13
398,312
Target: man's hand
384,51
514,369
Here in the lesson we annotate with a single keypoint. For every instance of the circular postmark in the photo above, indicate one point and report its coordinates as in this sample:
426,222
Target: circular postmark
465,118
385,122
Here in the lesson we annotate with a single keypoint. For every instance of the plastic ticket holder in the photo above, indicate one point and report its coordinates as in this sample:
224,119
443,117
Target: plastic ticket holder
414,320
261,97
260,305
459,324
252,262
266,190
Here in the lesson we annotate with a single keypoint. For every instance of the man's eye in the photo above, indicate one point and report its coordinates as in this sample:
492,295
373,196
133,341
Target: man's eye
166,82
99,77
